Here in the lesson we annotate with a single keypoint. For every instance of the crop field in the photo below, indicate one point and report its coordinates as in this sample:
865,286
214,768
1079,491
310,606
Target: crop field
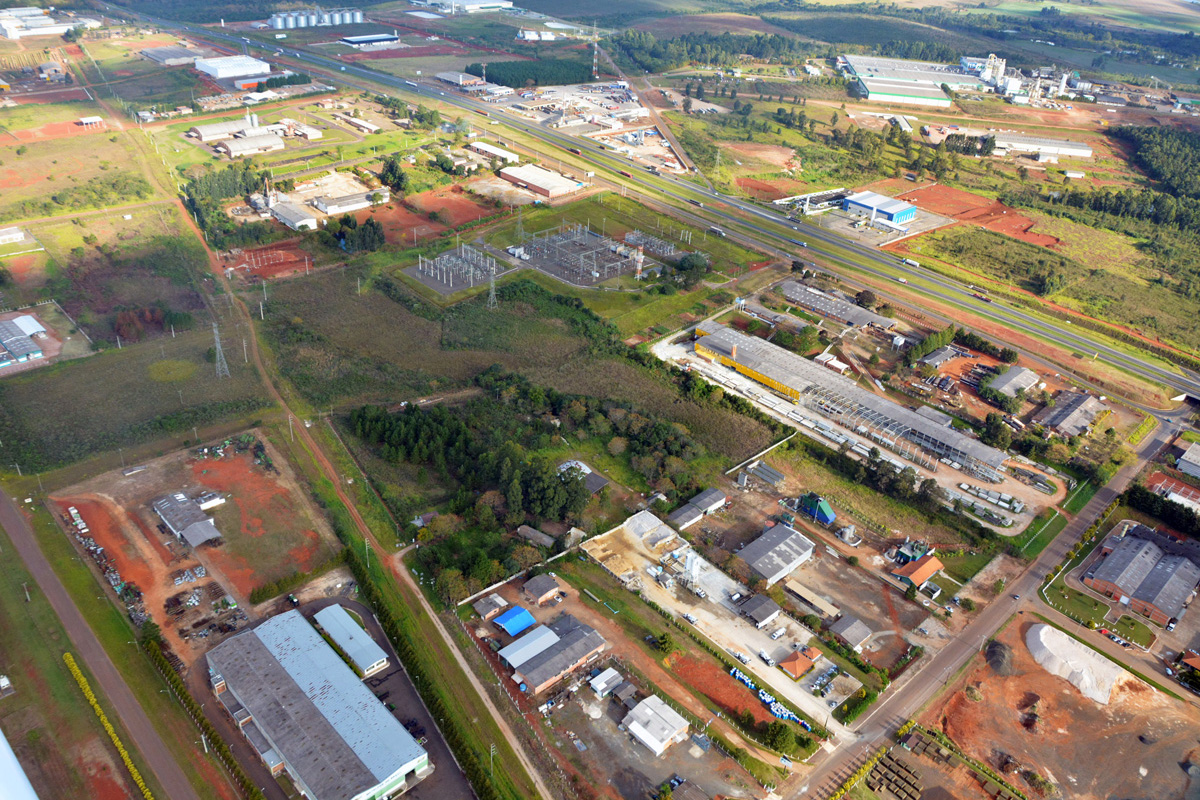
736,24
57,176
117,63
70,410
1171,16
842,28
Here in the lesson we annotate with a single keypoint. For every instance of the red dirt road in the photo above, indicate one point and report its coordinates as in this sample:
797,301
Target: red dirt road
88,649
968,207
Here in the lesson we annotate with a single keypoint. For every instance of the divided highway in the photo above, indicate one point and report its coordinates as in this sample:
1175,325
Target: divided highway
782,237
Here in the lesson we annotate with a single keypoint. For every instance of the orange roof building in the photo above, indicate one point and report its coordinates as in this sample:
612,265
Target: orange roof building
1192,660
800,661
915,573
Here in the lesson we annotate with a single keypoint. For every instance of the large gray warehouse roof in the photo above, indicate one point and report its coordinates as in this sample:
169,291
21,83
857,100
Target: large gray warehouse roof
807,377
1128,564
1072,413
1168,585
779,550
575,641
185,519
1016,379
325,723
834,307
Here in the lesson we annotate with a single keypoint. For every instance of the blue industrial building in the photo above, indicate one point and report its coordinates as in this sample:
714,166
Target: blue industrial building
878,206
515,620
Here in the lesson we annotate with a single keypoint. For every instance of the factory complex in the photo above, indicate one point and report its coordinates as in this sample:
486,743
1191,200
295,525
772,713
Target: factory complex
18,23
841,399
307,714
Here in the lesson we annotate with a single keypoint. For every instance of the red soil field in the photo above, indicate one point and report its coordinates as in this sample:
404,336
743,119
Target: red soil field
103,781
20,267
401,225
453,205
273,261
967,207
106,530
57,130
730,695
760,190
59,96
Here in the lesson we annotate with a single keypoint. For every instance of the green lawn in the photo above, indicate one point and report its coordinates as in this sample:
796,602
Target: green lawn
963,568
1040,533
1076,605
1079,498
1134,630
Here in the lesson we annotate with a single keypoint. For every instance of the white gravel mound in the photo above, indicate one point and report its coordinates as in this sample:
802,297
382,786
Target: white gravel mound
1059,654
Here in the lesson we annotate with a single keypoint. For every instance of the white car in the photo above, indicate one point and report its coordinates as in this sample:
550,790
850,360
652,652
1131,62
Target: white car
778,634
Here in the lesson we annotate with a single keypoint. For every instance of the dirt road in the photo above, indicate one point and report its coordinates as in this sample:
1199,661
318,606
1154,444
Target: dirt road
89,650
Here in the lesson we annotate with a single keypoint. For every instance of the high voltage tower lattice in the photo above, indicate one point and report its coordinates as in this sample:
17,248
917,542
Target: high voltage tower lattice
491,301
222,365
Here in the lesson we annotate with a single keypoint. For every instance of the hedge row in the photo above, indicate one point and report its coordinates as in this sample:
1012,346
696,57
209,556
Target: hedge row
216,744
108,727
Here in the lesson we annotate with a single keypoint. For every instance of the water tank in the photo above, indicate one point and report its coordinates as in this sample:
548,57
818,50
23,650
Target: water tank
289,21
356,16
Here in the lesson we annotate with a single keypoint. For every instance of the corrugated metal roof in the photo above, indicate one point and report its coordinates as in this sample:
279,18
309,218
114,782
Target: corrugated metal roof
851,629
318,716
832,306
1015,380
777,552
350,636
528,646
888,205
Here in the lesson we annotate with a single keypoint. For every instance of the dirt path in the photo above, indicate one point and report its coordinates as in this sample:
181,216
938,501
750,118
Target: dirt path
89,650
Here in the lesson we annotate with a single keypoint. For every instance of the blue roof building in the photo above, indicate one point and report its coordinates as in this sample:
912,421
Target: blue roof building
878,205
515,620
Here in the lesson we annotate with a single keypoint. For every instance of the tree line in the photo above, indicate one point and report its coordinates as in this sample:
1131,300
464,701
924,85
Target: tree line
1169,155
543,72
1175,515
643,50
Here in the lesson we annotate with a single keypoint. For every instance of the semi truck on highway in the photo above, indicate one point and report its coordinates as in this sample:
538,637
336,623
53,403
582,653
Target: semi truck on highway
714,229
910,262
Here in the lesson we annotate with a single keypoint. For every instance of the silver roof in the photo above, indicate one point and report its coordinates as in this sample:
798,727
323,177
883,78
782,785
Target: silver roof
904,70
779,550
575,641
1072,413
655,721
1168,585
709,498
807,377
185,519
528,646
1128,564
17,341
1015,141
318,716
350,636
851,629
835,307
1015,380
685,515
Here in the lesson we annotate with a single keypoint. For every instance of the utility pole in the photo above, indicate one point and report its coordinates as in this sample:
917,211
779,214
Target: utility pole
291,433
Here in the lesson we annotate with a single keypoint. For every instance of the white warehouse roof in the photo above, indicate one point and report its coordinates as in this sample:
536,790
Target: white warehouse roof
12,774
232,66
350,636
888,205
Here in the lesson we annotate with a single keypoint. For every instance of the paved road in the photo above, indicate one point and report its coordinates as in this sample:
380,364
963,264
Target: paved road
906,699
88,649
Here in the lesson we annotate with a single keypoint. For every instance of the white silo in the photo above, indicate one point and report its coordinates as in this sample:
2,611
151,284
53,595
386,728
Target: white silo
356,16
312,18
289,21
325,20
338,18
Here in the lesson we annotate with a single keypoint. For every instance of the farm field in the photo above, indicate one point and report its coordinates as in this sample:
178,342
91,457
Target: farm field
53,177
18,122
164,389
736,24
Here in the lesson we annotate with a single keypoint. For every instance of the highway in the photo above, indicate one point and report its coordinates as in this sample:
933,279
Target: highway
780,238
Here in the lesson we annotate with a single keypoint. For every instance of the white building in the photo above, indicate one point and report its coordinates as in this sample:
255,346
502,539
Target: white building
367,656
492,151
232,67
656,725
251,145
1189,462
1020,143
11,235
351,202
295,217
776,553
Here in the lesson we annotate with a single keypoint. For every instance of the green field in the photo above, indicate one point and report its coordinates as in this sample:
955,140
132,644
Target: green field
1079,497
50,726
1161,15
1040,533
35,115
113,399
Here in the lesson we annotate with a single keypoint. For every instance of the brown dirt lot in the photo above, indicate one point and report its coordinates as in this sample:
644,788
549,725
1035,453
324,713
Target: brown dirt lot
52,96
271,261
735,24
402,225
968,207
771,153
730,695
1142,734
454,206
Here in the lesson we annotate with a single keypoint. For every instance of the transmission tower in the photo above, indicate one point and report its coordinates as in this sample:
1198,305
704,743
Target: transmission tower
491,301
520,225
222,366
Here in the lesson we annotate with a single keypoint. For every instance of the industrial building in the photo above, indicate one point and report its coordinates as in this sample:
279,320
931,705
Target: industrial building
491,151
17,342
1013,380
489,606
685,516
1137,570
656,725
1189,462
852,631
295,217
877,205
760,609
459,78
352,202
707,502
363,651
604,683
232,67
841,399
368,41
467,6
896,80
315,17
11,235
1020,143
307,714
777,553
833,307
540,181
251,145
1071,415
561,647
12,775
174,55
184,518
882,90
18,23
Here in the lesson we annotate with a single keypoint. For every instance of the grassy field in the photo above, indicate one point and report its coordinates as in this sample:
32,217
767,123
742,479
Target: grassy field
47,722
35,115
70,410
1079,498
963,568
57,176
115,633
1040,533
1164,15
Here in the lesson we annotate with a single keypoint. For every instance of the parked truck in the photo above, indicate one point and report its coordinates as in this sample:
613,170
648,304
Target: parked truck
818,508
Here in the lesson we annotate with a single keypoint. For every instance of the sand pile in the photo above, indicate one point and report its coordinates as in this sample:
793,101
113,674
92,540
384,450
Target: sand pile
1059,654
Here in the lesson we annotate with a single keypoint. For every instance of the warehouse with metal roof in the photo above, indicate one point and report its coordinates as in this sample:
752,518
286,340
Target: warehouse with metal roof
837,397
1140,574
16,344
355,642
232,66
1020,143
880,206
1071,415
184,518
834,307
309,715
577,643
777,553
1013,380
251,145
540,181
